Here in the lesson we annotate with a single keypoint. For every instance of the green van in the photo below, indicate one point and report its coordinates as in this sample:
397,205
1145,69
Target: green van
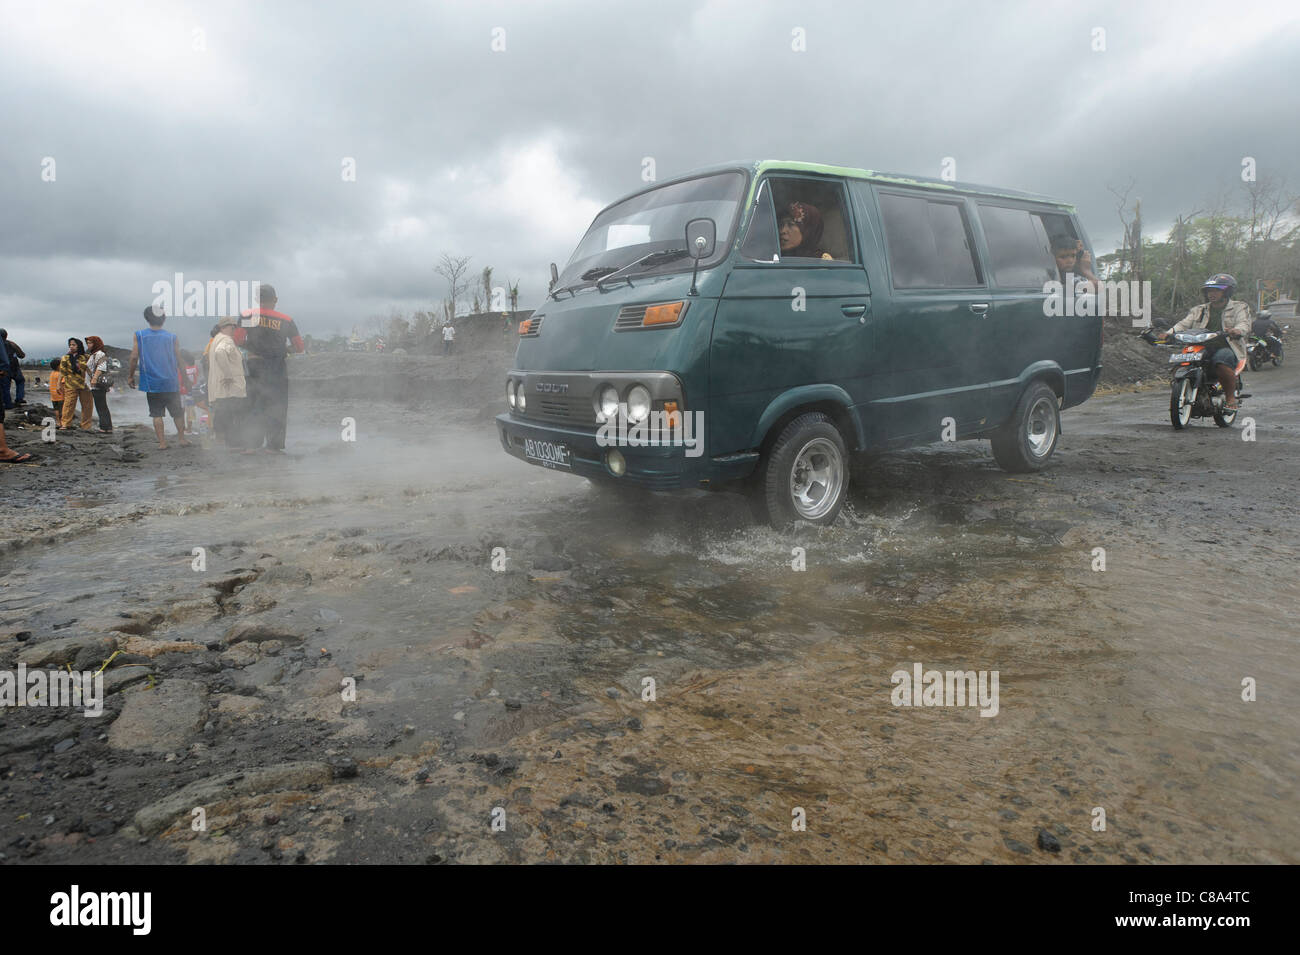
753,325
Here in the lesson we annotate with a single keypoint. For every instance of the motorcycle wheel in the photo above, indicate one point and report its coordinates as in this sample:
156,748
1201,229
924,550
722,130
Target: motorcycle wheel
1254,362
1181,399
1277,359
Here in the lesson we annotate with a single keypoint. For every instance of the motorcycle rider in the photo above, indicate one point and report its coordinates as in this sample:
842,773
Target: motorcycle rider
1266,328
1218,312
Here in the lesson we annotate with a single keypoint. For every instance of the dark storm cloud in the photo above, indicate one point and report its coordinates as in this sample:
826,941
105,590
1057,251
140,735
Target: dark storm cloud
224,162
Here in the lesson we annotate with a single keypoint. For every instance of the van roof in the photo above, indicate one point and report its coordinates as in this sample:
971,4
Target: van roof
758,166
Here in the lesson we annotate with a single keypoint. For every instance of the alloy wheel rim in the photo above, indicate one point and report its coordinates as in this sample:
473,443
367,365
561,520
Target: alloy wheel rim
1040,427
816,478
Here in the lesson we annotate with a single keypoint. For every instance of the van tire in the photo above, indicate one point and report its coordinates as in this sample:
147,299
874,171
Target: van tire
804,475
1027,441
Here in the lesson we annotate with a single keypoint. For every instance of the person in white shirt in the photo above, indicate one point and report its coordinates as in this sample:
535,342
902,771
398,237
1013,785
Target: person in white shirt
448,336
97,381
228,388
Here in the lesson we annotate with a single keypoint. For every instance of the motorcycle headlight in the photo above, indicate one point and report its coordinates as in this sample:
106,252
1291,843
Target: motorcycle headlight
609,401
638,403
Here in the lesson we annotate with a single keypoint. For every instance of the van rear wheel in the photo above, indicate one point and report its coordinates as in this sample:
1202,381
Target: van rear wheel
1027,441
805,474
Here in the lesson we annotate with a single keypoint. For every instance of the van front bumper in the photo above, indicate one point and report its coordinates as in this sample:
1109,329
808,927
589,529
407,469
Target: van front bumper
659,468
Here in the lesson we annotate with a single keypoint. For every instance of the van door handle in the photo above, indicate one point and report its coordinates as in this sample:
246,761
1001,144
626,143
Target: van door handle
980,308
853,311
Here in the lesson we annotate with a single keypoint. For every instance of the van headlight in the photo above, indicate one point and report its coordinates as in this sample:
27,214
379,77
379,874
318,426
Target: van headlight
638,403
521,401
510,392
609,401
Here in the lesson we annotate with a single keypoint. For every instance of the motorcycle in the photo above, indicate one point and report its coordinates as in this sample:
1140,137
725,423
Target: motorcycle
1265,348
1195,391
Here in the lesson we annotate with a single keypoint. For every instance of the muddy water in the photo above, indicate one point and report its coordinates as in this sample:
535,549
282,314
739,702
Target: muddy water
521,689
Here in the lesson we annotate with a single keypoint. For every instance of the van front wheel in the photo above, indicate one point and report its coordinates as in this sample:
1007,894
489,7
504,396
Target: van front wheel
1026,442
805,474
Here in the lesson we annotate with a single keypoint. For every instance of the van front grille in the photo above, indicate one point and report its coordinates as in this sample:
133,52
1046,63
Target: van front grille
572,409
554,408
531,327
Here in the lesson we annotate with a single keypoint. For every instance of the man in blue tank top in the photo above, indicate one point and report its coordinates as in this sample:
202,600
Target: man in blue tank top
158,355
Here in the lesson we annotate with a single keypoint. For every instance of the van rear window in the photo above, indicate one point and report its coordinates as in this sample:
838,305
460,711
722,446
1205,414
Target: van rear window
928,242
1020,252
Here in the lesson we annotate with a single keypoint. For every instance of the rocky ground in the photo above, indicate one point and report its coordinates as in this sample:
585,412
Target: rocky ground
358,674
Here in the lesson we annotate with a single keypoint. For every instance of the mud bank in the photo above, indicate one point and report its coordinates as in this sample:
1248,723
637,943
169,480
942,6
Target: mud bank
413,648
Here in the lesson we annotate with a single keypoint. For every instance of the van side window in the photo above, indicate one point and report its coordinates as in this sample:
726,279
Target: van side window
928,243
953,243
760,244
1020,252
812,220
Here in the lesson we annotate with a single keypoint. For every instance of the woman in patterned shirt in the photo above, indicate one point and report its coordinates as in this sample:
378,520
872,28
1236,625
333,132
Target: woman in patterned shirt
72,370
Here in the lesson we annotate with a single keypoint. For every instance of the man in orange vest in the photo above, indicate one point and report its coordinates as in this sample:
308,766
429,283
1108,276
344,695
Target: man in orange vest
264,332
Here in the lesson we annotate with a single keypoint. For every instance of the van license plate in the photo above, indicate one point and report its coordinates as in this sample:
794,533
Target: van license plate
550,454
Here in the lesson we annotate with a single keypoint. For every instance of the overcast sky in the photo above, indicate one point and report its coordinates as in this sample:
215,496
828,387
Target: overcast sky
209,138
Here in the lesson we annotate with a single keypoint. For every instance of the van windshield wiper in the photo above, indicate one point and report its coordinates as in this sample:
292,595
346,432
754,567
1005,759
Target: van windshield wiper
571,289
598,272
653,258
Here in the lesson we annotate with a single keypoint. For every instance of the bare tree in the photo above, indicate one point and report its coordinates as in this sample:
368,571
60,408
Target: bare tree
454,269
1179,239
1269,203
514,296
1120,207
487,287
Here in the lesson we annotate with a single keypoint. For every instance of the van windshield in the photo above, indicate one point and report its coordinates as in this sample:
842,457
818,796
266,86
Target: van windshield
655,221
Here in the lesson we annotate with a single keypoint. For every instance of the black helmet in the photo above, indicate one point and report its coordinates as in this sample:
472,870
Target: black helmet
1221,281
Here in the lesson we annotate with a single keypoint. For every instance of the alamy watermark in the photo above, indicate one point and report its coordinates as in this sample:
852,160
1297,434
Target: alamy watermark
658,429
211,299
924,687
1098,300
61,688
75,908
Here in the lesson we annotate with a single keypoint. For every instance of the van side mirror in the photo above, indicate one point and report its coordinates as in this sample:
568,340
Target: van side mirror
555,277
701,238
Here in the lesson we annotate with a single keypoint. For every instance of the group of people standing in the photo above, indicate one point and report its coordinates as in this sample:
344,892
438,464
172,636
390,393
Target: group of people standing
82,378
242,371
247,397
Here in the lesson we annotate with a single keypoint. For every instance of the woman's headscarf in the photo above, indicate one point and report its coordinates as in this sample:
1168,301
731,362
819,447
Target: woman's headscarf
809,220
94,343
